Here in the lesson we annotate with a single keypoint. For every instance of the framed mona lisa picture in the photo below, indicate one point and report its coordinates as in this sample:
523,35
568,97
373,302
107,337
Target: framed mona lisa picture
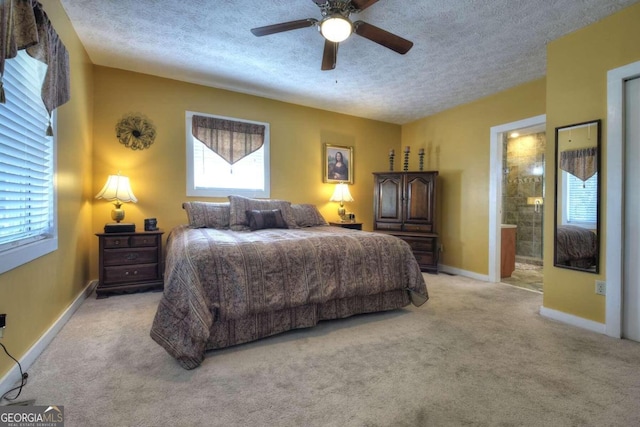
338,164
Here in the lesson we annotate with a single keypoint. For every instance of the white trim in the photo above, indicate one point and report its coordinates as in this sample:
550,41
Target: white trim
495,188
570,319
459,272
12,378
615,192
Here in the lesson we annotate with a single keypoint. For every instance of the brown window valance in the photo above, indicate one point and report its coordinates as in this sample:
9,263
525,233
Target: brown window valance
231,140
581,163
25,25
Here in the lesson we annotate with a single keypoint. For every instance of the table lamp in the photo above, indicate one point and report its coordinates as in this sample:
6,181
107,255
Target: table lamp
341,194
118,190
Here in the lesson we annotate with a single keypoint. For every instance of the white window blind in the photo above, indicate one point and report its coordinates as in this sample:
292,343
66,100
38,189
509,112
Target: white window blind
27,197
582,200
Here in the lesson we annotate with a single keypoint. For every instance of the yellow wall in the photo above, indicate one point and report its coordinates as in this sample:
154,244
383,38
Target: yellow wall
36,294
158,174
577,92
456,143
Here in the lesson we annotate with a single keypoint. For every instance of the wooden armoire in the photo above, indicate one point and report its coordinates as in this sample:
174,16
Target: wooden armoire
405,206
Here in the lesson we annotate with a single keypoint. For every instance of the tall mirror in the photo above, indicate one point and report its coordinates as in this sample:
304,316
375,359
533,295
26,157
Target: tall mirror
577,210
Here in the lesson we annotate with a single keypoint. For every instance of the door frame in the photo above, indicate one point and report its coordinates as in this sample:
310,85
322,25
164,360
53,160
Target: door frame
614,268
495,187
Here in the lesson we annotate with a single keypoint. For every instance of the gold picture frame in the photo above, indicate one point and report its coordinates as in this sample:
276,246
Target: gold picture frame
335,170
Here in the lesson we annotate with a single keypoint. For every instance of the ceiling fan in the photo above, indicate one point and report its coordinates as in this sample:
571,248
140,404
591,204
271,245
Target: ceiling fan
335,26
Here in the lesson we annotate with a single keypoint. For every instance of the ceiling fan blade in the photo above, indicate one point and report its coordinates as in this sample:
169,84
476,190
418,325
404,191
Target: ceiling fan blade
330,55
284,26
320,2
362,4
382,37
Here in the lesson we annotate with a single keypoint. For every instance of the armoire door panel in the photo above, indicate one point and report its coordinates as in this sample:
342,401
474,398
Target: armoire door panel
419,199
389,199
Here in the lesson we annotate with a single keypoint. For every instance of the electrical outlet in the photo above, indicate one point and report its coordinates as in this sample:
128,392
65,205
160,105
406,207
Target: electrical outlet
441,247
601,287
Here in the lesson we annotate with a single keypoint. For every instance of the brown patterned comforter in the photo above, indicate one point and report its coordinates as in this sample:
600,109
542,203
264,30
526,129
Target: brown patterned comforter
576,246
225,287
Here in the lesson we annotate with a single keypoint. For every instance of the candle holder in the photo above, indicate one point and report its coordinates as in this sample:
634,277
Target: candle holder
406,159
421,155
391,156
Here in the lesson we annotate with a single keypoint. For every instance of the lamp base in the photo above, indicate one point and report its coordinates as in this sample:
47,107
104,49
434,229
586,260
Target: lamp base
120,227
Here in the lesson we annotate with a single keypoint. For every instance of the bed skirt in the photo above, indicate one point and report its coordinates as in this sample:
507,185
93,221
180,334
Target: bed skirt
233,332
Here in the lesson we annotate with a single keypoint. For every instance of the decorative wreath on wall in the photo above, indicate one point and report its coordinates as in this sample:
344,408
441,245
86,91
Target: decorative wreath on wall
135,131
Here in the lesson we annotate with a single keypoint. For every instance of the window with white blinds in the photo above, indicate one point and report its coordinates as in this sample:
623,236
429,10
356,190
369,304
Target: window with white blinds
27,195
581,201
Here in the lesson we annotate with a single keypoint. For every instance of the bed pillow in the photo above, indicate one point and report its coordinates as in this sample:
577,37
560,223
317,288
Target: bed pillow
207,214
259,220
307,215
240,205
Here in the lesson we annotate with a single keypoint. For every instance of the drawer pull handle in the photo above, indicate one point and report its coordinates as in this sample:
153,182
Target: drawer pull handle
131,257
116,242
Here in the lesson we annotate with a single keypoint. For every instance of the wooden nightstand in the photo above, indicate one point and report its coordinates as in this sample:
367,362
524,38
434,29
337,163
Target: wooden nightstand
351,225
130,262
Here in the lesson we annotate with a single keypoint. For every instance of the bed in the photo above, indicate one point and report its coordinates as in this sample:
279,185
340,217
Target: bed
231,279
576,246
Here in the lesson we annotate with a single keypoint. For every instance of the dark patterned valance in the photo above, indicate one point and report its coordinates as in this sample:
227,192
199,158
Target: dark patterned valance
25,25
229,139
581,163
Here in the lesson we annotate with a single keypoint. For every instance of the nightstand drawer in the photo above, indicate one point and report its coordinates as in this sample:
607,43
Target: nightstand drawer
116,241
130,256
133,273
142,241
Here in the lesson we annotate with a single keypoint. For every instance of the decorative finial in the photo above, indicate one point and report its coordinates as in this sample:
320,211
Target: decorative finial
406,158
421,155
391,156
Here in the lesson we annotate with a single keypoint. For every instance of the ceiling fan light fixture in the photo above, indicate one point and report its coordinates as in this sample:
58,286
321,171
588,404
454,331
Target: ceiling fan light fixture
336,28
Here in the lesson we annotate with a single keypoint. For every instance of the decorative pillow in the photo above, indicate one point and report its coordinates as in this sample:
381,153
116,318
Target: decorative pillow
259,220
307,215
207,214
240,205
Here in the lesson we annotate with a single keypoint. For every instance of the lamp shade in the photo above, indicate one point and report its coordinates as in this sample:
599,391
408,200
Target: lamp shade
341,194
117,188
336,28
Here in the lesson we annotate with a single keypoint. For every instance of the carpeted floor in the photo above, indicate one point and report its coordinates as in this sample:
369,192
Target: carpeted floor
475,354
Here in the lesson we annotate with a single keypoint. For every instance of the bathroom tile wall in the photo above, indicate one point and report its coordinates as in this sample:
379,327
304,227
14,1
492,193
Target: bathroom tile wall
523,168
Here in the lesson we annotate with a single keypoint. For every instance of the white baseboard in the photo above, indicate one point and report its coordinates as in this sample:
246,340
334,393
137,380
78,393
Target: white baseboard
459,272
12,378
573,320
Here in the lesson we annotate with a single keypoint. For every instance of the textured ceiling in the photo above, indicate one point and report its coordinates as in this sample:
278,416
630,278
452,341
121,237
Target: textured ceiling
463,49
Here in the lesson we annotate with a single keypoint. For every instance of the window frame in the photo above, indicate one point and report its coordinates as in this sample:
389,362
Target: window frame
192,191
24,251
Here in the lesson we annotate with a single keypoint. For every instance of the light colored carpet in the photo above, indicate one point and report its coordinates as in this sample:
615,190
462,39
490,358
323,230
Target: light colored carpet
475,354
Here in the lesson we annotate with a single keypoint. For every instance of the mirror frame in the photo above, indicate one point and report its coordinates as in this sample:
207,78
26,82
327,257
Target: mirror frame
557,221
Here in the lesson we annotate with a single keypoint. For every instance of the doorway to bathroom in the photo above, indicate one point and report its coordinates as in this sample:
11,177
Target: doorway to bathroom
517,193
522,205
